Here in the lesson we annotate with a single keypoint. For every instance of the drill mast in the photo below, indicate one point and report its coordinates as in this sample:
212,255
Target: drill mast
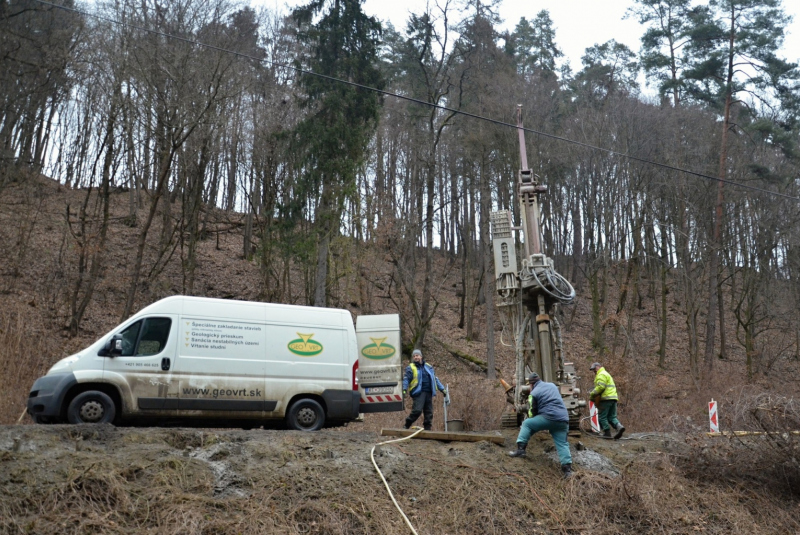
528,297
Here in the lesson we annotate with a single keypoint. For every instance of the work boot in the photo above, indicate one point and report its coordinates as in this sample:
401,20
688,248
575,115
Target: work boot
520,451
620,429
427,427
567,469
406,425
607,433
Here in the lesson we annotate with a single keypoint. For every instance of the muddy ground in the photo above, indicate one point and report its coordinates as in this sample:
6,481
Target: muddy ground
105,479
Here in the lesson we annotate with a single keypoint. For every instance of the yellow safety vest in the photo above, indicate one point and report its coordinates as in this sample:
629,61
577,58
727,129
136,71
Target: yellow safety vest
414,377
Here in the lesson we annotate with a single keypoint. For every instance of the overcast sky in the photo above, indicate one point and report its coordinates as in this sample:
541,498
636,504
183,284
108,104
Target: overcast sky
579,23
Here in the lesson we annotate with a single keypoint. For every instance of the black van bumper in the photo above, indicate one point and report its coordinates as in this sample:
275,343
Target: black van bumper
47,395
341,404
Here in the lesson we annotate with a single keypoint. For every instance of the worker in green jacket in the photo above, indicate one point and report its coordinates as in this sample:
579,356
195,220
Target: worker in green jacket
605,397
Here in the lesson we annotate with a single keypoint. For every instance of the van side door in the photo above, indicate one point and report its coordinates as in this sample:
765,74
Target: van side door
221,365
143,372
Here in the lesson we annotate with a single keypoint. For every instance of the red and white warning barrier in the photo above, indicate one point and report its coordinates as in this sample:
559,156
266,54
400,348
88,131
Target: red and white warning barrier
380,399
593,417
712,416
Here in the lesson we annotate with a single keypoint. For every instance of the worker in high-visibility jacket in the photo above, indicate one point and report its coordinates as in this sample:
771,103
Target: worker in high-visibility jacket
421,382
605,397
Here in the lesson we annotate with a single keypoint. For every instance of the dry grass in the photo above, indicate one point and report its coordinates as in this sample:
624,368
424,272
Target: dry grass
24,356
136,481
654,496
475,400
767,459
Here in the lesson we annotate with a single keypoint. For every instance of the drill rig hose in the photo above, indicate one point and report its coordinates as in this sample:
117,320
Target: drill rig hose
562,290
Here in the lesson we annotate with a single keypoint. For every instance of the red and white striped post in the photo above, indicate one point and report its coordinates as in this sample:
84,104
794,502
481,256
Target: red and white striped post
593,417
712,416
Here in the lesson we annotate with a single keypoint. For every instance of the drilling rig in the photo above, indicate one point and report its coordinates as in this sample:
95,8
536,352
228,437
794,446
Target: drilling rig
528,298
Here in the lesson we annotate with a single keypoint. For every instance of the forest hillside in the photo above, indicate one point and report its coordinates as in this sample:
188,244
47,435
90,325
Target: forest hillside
41,278
666,476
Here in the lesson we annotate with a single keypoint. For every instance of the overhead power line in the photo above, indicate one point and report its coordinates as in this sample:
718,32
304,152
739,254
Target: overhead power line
418,101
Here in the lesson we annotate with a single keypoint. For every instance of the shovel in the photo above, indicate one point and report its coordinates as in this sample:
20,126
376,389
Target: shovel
446,403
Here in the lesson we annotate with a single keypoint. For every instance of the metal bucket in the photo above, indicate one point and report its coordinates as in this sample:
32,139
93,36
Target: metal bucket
455,425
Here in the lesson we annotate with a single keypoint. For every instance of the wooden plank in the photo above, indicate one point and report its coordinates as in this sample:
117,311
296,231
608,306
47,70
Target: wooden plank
453,436
751,433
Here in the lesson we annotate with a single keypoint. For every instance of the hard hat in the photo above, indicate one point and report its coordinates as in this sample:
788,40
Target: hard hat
595,366
532,378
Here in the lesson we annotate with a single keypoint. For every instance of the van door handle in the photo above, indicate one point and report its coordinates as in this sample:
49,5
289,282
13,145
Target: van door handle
165,364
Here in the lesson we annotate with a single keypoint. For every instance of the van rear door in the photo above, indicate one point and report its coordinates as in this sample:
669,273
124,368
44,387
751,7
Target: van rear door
379,363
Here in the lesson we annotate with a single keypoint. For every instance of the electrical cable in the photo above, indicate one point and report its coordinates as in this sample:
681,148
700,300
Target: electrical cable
556,293
423,103
561,285
386,484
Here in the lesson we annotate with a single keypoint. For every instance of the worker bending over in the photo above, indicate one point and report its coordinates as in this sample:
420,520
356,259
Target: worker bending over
547,411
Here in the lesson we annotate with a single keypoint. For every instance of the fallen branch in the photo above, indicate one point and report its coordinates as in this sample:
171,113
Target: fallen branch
464,356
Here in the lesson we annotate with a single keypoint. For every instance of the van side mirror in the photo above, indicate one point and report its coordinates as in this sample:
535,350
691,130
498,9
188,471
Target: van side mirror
115,346
112,347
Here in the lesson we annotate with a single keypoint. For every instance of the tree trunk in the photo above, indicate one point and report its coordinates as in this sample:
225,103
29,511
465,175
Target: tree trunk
323,248
488,276
714,264
577,246
430,187
136,270
79,305
662,339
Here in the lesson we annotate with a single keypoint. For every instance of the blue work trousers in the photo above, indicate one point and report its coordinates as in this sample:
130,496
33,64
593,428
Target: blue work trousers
558,430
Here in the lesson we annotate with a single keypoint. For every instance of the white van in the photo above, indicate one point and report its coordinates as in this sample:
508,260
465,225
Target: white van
220,361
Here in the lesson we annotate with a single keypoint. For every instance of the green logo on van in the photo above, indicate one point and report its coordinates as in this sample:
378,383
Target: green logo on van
377,350
305,346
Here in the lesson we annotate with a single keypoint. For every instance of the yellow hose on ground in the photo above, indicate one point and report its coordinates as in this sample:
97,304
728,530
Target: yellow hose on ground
386,484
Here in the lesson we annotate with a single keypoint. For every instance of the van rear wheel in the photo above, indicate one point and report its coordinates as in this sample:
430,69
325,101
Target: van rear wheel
91,407
306,415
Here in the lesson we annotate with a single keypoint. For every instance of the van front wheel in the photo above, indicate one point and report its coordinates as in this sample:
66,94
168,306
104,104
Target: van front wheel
92,407
306,415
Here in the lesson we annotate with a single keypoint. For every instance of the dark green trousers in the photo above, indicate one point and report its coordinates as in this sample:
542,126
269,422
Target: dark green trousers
607,413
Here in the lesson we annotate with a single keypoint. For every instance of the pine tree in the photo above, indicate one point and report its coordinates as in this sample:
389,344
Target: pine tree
663,42
733,64
333,137
534,45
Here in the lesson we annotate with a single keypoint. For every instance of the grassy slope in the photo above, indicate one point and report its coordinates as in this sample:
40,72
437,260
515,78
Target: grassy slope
669,487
